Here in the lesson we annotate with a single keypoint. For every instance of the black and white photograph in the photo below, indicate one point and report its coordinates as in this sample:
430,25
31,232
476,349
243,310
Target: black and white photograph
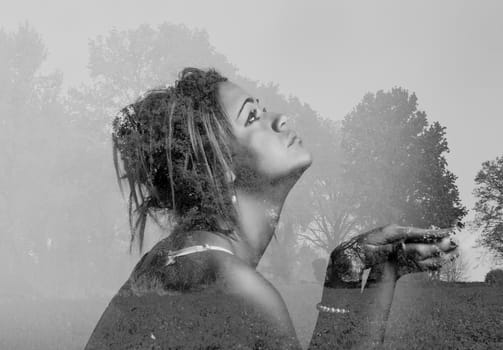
284,174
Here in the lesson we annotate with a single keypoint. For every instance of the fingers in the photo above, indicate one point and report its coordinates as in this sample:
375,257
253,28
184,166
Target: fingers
426,257
434,263
392,233
420,251
423,251
413,234
382,248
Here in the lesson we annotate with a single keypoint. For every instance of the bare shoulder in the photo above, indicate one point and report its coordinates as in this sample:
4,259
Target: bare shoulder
241,278
244,281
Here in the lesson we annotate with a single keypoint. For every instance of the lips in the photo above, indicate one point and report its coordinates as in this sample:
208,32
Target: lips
292,137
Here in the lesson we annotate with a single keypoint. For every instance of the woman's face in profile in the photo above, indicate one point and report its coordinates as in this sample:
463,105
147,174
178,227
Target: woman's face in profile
265,146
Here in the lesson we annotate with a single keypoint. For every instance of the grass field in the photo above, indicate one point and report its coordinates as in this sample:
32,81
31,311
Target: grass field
423,316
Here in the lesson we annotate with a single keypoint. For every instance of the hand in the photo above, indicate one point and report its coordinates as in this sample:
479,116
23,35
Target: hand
408,249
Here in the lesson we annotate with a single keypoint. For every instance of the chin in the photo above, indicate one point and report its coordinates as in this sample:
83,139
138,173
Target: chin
299,169
306,161
302,163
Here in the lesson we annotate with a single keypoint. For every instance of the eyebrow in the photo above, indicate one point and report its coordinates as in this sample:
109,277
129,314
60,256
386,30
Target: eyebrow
249,99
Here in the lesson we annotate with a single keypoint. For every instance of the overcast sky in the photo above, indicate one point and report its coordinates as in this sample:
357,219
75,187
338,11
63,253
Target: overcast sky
328,53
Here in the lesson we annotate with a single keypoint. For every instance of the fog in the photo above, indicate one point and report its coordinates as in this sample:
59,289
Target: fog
63,220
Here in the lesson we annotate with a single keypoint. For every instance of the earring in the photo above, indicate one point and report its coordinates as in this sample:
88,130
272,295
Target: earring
230,176
234,199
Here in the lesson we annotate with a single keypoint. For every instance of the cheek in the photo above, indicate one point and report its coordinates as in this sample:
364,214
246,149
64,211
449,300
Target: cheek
248,152
265,155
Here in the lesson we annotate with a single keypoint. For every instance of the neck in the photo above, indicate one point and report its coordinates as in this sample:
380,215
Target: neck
258,212
258,218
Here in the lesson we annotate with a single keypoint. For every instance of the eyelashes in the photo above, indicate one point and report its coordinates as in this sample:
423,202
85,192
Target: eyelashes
252,117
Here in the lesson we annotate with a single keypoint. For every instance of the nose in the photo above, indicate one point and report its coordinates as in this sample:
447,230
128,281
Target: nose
279,122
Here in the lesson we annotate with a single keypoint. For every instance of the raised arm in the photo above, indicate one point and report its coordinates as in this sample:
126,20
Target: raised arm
352,317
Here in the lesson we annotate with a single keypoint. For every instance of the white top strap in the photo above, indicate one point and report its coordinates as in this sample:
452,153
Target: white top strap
194,249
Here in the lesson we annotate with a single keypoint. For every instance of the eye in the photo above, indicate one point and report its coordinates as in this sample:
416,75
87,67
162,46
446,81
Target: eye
252,116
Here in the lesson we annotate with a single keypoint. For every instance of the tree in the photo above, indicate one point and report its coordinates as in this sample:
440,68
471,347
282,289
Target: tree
332,222
455,270
389,167
489,205
34,139
494,277
395,161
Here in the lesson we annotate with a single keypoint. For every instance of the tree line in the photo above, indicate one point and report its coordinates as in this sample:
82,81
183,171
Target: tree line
62,219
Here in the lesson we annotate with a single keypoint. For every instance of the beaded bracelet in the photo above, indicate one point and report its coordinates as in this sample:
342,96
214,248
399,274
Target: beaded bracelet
331,310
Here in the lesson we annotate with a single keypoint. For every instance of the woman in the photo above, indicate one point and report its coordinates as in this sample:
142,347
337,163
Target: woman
208,155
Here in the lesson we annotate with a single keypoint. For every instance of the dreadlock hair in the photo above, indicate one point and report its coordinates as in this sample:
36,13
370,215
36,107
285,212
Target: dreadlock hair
174,146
